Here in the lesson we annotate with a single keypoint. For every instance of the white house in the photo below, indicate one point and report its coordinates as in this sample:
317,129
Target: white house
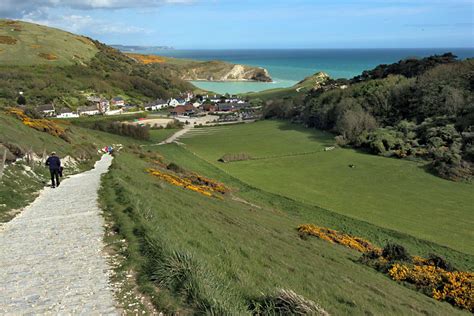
88,110
66,113
197,104
173,102
47,109
156,105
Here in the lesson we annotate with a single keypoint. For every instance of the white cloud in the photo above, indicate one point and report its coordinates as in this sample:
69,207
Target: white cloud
18,8
83,24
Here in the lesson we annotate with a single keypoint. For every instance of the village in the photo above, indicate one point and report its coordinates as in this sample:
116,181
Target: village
187,108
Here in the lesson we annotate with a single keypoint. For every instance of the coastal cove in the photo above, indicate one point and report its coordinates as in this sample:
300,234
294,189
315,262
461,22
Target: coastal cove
289,66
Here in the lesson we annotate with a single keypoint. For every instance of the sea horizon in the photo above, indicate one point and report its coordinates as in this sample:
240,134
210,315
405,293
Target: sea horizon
289,66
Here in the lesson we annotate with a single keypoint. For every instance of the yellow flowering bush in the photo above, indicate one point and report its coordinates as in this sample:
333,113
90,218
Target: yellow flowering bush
456,287
427,274
43,125
193,182
337,237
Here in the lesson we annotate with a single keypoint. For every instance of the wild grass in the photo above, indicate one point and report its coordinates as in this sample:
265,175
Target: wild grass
31,44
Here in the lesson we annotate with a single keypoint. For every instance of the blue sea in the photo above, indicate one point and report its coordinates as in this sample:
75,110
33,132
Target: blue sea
288,66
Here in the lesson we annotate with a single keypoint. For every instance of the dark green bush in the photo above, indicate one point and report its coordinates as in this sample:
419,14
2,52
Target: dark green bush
394,252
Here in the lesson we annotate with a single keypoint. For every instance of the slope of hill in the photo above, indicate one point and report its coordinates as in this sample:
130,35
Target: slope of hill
82,67
215,70
27,44
315,81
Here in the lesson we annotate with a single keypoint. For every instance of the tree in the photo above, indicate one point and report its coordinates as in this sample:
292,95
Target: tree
21,100
354,122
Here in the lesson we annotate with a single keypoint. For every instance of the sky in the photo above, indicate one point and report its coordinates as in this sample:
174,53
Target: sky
240,24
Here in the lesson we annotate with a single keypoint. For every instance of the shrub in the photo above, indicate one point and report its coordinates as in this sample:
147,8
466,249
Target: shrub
394,252
284,302
175,168
235,157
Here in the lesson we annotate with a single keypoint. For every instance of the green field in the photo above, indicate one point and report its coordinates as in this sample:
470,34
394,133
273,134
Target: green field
395,194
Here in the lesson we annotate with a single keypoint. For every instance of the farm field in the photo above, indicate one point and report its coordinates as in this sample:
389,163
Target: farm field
390,193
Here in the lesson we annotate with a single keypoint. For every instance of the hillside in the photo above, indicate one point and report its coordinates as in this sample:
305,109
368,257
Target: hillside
414,109
82,67
27,44
300,89
215,70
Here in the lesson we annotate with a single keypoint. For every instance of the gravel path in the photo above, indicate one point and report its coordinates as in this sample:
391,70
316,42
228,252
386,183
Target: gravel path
51,259
175,136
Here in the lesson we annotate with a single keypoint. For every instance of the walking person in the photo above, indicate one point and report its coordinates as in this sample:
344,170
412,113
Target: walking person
54,164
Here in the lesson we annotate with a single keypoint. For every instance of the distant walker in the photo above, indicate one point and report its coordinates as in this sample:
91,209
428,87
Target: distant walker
54,164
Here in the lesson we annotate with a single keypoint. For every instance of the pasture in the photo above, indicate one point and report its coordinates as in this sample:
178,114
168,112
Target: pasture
235,251
395,194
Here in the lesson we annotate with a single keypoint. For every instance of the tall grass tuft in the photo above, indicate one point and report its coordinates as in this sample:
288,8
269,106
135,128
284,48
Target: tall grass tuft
180,272
285,302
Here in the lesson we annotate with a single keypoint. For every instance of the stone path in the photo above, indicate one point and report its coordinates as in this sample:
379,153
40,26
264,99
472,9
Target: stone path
51,259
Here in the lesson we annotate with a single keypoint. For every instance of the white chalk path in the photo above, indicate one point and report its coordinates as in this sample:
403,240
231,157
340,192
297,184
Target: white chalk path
51,255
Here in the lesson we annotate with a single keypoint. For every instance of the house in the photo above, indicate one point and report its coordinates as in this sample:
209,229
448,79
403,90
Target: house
88,110
118,101
156,105
225,107
187,109
66,113
103,105
215,99
208,107
173,103
197,104
181,101
46,109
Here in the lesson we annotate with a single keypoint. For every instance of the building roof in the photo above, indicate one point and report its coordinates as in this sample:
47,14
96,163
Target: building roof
225,106
87,108
45,107
117,99
183,109
160,101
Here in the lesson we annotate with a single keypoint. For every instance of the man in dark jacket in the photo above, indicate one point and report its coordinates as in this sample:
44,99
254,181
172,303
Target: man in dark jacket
54,166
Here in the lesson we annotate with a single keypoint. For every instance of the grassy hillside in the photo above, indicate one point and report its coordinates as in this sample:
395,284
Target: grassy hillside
391,193
213,70
27,44
298,90
83,67
210,255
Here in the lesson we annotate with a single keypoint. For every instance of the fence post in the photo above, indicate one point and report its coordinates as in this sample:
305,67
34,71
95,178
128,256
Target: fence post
2,163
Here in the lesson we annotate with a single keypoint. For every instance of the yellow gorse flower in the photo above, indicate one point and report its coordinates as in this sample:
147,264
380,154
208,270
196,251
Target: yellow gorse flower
193,182
456,287
43,125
